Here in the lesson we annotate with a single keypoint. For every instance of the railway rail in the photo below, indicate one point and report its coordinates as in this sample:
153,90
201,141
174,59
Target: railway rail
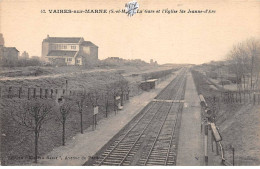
151,139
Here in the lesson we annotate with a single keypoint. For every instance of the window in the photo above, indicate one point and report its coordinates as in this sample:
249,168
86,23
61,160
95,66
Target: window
69,59
54,47
73,47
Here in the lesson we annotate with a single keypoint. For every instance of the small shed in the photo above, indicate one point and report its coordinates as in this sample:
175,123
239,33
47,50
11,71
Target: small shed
148,84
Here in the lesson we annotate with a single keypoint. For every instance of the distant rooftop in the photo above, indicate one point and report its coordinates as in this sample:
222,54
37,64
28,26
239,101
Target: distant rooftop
10,48
63,39
88,43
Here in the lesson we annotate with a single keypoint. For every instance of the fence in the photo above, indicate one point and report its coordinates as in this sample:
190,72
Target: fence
10,92
223,95
29,93
241,97
236,97
208,120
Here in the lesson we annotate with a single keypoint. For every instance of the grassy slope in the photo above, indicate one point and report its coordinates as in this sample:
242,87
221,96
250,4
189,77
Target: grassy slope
242,132
17,142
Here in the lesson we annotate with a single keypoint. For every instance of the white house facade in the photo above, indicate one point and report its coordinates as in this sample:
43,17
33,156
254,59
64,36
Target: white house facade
69,51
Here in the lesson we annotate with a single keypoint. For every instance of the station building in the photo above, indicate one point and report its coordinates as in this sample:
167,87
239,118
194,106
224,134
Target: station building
69,51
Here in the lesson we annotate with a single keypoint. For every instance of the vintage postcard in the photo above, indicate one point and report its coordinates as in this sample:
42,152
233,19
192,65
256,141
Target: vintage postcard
129,82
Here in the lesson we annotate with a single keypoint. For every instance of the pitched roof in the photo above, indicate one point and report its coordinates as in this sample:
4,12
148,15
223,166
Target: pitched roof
88,43
62,53
10,48
62,39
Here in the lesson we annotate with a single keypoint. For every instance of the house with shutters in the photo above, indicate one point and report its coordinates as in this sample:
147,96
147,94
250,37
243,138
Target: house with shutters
8,54
69,51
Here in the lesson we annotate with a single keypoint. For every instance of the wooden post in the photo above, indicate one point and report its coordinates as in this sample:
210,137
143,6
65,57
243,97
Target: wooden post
244,96
217,148
9,92
51,93
46,93
95,120
34,93
0,92
254,98
63,92
29,93
233,152
201,127
115,104
127,95
93,127
206,144
240,99
122,99
56,91
19,92
66,87
212,140
40,92
257,99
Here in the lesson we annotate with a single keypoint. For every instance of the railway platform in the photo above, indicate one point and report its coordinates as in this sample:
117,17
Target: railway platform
190,146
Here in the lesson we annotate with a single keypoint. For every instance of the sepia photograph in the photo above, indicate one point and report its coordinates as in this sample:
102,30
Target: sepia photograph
129,83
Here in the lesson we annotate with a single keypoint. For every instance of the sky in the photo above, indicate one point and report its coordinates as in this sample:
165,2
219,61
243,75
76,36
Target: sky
166,38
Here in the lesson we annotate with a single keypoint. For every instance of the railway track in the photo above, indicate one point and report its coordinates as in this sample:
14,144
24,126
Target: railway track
163,149
151,138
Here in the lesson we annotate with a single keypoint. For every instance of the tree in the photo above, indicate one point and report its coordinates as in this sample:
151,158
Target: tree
244,59
123,86
107,94
62,116
80,104
33,116
239,62
93,98
24,55
253,52
114,92
2,41
128,92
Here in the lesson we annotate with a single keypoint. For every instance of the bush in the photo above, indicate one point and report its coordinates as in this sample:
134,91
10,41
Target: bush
20,63
224,82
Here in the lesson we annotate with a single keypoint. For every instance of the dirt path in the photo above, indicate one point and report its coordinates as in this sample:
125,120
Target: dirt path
82,146
190,146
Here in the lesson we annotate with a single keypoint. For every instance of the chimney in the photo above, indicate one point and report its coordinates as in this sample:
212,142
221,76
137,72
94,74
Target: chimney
48,36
